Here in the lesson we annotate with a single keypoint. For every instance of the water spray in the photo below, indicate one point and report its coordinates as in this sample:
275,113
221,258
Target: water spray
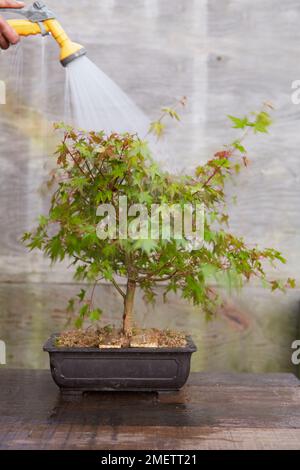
41,20
92,100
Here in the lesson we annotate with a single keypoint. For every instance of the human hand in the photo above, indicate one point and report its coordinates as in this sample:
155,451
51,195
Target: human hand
8,35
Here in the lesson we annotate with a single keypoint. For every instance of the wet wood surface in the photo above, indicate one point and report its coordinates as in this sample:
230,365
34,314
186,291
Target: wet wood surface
213,411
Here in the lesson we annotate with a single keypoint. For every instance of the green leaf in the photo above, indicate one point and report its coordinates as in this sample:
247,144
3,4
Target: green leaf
43,221
265,284
55,249
78,322
26,236
146,245
262,122
157,128
81,295
237,145
79,182
70,307
239,123
172,113
291,283
95,314
117,165
209,271
277,285
145,197
84,310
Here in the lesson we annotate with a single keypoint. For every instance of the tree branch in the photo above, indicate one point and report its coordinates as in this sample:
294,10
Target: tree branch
76,162
158,279
118,288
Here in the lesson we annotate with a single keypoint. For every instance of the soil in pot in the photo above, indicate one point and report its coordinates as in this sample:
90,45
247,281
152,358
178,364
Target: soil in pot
111,337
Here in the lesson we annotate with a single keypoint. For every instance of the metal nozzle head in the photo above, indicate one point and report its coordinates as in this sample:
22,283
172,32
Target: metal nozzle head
79,53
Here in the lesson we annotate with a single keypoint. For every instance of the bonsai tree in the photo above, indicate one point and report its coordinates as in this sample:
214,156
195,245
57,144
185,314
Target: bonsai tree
96,174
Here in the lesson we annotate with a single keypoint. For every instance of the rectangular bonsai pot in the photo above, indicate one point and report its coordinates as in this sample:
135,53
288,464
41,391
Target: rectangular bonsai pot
78,370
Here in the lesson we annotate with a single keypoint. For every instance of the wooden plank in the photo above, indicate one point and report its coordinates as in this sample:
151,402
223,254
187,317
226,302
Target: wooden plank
144,75
30,312
230,379
199,49
220,412
202,56
74,437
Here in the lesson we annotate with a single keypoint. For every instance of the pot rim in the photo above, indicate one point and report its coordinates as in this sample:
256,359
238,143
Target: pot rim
50,346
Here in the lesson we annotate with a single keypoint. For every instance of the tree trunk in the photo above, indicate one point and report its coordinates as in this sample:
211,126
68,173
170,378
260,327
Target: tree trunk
128,307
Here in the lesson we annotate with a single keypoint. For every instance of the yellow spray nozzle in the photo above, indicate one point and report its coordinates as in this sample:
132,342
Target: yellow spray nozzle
25,27
40,20
68,50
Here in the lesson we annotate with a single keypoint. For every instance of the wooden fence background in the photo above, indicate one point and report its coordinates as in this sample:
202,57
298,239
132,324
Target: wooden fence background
227,57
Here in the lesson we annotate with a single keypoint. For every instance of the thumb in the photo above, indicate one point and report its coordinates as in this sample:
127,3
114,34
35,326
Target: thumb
11,4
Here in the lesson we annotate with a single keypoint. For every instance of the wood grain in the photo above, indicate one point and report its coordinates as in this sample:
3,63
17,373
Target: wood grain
30,312
212,412
200,51
227,57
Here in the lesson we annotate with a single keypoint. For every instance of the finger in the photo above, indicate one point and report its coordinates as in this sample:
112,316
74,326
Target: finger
4,44
11,4
8,32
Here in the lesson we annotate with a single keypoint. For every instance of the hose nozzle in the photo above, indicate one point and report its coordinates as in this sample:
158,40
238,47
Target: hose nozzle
40,20
70,52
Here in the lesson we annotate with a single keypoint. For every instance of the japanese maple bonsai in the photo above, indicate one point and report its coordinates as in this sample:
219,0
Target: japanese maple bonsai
94,169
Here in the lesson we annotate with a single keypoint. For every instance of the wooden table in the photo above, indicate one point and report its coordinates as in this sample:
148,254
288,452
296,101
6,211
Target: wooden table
213,411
